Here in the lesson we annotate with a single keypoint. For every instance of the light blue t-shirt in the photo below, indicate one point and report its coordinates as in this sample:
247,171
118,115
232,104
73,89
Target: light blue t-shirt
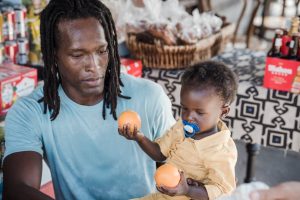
87,157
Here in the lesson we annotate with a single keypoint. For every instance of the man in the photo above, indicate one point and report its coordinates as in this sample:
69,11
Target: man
71,121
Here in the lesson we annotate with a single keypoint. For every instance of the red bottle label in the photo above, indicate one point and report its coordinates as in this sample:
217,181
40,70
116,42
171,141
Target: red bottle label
285,45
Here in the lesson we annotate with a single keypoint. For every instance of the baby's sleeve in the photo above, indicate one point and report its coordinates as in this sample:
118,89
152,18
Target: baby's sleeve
170,138
221,171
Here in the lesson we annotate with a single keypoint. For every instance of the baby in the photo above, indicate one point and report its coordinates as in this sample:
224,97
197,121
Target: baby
199,144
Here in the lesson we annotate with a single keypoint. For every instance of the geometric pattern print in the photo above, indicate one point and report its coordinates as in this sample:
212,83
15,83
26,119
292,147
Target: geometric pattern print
261,115
170,80
265,116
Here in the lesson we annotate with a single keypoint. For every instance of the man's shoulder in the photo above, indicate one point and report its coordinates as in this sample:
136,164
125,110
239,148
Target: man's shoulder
29,102
140,84
126,78
36,95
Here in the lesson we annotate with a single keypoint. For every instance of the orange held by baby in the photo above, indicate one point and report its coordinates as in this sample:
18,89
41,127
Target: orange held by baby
131,118
167,175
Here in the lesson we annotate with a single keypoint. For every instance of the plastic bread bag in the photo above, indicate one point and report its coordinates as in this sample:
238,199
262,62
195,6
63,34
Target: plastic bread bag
153,8
214,21
129,12
115,7
188,32
205,28
135,15
173,11
137,26
182,23
202,22
243,191
164,32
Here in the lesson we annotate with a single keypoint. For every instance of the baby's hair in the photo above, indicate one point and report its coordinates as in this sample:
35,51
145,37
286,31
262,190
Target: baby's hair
212,74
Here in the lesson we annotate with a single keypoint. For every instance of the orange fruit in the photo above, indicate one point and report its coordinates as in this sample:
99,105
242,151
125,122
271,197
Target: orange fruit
129,117
167,175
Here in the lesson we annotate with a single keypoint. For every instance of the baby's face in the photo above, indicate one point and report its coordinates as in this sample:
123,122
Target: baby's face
201,106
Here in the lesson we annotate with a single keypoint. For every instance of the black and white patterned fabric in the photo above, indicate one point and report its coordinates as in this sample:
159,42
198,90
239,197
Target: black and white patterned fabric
258,114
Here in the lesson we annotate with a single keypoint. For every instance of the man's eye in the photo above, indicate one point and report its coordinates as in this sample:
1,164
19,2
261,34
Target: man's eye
76,55
101,51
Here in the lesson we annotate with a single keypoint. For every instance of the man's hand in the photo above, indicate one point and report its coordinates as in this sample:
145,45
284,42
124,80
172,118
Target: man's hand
283,191
181,189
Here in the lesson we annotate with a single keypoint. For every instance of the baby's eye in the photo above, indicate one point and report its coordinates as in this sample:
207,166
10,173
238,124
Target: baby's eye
199,112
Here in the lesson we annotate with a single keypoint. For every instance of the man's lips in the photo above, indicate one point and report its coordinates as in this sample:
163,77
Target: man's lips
93,82
91,79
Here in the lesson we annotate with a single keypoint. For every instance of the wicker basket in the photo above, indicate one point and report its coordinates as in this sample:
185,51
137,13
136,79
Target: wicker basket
227,35
174,57
223,37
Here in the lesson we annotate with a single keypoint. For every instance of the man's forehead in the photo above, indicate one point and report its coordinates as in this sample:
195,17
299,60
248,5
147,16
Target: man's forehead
81,31
63,22
71,27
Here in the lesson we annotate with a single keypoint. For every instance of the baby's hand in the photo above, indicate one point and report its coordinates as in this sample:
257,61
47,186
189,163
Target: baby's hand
125,131
181,189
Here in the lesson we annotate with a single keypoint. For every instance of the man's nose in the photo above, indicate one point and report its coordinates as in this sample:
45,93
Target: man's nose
94,62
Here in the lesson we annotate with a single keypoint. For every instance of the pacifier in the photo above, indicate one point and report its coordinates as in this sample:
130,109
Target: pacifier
190,129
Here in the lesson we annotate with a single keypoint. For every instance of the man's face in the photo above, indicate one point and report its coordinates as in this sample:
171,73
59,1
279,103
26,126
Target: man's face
82,59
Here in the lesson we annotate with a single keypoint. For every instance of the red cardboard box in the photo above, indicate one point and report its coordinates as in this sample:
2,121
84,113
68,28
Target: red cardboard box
130,66
15,81
282,74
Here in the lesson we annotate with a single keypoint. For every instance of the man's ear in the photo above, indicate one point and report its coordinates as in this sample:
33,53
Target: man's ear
55,55
55,59
225,111
55,64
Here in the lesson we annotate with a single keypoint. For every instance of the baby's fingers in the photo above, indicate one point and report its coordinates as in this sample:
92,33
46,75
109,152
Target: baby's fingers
121,131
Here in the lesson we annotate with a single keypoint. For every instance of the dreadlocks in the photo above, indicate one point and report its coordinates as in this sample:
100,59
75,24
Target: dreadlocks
55,12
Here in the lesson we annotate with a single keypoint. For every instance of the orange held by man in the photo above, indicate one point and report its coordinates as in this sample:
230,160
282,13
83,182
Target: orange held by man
167,175
129,117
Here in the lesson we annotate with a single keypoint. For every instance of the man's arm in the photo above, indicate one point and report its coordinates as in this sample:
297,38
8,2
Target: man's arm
22,173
